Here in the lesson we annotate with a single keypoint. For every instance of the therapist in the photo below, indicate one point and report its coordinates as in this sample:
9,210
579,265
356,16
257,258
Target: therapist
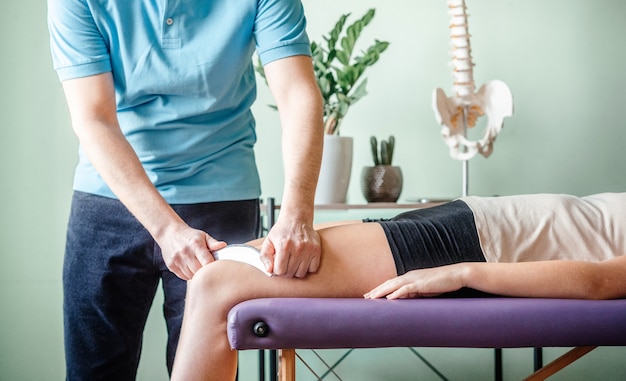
159,95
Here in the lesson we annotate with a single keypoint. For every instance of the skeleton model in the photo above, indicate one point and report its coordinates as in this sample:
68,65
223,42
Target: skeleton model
465,106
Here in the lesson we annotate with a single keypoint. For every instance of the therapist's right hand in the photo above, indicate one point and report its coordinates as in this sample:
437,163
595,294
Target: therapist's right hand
185,250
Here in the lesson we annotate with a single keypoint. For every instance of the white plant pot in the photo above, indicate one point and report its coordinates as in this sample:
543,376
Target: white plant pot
334,178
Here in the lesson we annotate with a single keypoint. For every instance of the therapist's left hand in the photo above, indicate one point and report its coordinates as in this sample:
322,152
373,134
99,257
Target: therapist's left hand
291,249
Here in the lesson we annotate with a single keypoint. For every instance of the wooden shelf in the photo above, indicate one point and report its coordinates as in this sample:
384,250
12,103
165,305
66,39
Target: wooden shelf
376,205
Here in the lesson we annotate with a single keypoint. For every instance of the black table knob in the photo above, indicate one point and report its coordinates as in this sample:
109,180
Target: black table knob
261,329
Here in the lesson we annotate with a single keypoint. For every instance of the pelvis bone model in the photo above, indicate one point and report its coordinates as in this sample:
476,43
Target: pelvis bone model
460,111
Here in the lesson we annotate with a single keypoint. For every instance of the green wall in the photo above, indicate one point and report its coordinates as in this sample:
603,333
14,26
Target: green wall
563,61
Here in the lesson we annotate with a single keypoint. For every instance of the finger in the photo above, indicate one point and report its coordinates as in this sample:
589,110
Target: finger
194,265
281,264
384,289
214,244
290,264
180,273
303,268
403,292
314,265
378,292
411,291
268,255
178,270
204,256
374,294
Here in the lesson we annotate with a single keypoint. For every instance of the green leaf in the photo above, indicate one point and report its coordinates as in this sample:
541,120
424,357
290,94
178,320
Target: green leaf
336,31
359,92
343,103
348,42
343,58
344,79
391,148
372,54
374,147
337,71
384,153
368,17
354,32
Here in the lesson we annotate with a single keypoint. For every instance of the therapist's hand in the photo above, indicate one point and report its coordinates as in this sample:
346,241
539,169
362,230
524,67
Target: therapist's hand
291,249
185,250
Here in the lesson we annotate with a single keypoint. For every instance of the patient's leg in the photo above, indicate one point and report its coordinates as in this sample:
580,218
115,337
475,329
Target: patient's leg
355,259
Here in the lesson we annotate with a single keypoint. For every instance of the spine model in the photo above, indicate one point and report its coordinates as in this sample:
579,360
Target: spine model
461,111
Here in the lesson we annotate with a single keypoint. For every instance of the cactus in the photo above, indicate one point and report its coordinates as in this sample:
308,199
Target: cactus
386,150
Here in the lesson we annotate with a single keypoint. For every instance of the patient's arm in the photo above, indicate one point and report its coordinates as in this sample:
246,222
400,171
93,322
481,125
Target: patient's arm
550,279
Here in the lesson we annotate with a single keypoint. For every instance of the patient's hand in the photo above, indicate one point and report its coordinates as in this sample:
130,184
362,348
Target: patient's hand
291,249
421,283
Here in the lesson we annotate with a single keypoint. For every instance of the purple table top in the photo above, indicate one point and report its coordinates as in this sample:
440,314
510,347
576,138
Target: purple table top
481,322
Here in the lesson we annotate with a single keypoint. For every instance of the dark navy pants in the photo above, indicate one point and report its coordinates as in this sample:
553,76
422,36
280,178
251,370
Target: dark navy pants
111,272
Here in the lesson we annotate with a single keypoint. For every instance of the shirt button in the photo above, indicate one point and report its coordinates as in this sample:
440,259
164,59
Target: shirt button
169,21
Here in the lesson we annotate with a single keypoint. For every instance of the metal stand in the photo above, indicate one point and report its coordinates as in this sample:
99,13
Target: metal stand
465,190
497,367
538,358
271,220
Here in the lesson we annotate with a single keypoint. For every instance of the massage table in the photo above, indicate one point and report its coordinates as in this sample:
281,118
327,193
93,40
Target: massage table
464,319
477,321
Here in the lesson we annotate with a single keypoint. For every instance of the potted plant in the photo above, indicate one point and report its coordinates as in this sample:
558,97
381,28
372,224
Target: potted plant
383,181
339,73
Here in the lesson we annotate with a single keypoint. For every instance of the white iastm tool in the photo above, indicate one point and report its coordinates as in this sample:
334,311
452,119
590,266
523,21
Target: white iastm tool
242,253
461,110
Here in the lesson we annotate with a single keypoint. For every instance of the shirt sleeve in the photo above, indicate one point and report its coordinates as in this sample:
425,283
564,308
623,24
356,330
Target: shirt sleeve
280,30
77,46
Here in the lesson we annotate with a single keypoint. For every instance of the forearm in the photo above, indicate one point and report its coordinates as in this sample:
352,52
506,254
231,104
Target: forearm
184,250
91,102
302,153
301,114
116,162
293,247
548,279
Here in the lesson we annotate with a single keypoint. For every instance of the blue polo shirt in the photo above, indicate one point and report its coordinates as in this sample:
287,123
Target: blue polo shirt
184,83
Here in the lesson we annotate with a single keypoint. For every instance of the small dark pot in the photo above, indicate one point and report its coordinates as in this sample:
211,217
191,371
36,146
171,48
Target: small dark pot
382,183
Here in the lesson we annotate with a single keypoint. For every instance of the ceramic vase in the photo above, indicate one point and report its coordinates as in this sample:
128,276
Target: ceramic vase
381,183
332,185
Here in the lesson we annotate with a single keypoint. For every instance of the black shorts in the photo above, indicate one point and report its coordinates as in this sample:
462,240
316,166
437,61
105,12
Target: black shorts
432,237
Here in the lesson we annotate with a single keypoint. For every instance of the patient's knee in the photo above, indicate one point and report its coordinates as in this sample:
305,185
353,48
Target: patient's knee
214,283
208,277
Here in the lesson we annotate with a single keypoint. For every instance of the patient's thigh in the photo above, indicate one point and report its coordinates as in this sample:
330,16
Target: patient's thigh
358,255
